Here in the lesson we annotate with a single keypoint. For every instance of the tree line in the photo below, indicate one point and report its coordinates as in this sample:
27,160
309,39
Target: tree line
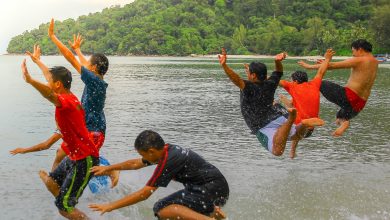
184,27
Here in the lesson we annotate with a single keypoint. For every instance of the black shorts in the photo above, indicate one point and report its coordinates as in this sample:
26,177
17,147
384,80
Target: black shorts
72,177
336,94
201,199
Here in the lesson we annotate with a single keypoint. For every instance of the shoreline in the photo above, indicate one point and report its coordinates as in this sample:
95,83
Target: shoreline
255,56
307,58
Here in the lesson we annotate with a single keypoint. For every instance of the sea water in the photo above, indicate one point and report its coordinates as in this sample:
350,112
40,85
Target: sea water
192,103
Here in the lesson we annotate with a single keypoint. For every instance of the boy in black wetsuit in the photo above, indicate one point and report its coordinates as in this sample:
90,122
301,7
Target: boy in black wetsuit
205,188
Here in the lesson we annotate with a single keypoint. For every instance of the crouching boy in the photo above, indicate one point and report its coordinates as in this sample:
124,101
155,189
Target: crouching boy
205,188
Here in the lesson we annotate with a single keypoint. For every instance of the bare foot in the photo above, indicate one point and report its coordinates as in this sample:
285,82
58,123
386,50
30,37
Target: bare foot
287,102
340,130
114,176
313,122
218,214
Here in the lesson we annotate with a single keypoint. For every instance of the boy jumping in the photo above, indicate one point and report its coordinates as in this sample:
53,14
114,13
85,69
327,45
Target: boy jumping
272,124
305,95
68,180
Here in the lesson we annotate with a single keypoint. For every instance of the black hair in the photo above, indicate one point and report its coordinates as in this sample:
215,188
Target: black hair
260,69
60,73
149,139
299,76
101,62
361,43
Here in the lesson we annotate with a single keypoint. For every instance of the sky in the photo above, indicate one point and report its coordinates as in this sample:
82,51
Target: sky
17,16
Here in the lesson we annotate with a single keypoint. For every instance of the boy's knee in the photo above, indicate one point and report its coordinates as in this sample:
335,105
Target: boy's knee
65,207
277,152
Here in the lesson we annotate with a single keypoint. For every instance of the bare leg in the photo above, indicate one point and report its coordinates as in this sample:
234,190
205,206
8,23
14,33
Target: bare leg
74,215
286,102
344,125
60,155
172,212
50,184
305,124
294,145
218,214
114,176
281,135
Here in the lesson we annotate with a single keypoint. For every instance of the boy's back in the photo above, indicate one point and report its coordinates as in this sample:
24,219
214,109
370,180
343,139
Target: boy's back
257,102
93,99
70,120
306,97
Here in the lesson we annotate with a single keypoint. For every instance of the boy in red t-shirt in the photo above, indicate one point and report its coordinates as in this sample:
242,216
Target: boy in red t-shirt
305,95
68,180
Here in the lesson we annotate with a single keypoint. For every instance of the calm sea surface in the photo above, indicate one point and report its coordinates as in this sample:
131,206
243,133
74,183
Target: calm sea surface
191,103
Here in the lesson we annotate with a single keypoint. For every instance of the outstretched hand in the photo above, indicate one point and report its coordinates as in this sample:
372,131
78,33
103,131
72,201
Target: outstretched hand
102,208
329,53
281,56
222,57
77,41
18,150
99,170
36,55
26,74
51,28
303,64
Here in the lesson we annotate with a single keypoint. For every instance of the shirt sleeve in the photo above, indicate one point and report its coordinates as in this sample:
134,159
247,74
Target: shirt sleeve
89,78
317,82
275,77
285,84
63,101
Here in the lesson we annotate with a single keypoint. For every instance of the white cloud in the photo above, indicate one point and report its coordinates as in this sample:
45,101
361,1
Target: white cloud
17,16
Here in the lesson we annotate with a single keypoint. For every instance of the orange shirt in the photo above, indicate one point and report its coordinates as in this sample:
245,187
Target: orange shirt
306,97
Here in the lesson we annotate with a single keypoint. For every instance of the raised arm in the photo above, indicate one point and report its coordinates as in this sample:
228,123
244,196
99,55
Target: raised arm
133,164
39,147
131,199
345,64
76,45
234,77
36,58
63,49
324,65
45,91
278,61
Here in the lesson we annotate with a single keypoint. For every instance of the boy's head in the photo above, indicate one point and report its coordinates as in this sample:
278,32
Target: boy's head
299,77
60,78
98,63
258,71
149,145
359,45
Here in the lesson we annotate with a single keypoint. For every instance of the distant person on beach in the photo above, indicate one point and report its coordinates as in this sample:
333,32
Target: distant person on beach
272,124
305,95
93,97
206,189
353,97
68,180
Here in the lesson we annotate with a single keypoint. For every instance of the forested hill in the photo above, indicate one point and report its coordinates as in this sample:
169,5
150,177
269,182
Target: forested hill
183,27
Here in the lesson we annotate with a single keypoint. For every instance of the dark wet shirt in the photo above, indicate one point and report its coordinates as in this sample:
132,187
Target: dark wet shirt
184,166
94,96
257,102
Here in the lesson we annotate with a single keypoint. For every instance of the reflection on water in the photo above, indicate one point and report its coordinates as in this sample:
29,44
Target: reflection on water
190,102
